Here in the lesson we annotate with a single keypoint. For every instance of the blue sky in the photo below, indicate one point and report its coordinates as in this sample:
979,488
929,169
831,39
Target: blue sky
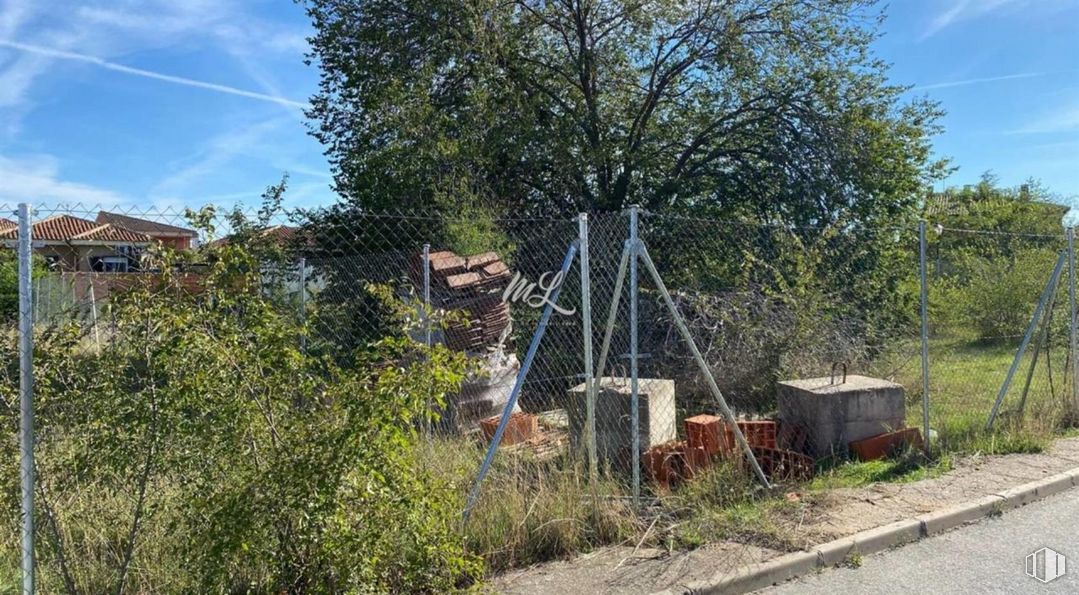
164,103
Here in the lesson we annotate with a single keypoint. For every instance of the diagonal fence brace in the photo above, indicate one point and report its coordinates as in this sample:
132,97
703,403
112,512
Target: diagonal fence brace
642,251
1050,287
537,337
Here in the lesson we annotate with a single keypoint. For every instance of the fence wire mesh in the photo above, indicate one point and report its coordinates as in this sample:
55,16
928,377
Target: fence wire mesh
762,303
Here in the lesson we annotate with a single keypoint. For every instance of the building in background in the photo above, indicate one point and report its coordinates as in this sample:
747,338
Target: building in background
179,238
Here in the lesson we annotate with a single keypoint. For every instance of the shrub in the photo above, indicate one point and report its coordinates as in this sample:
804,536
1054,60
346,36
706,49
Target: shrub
199,449
1000,293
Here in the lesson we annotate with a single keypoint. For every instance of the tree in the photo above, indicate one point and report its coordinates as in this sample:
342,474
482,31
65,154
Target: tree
767,109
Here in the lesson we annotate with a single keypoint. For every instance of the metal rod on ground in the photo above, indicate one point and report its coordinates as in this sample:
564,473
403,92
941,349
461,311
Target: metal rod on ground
26,393
642,250
541,328
303,303
634,403
925,335
1026,339
586,320
1073,335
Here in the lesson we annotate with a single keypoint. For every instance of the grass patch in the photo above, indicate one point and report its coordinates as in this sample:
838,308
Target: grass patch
965,379
910,467
531,511
726,503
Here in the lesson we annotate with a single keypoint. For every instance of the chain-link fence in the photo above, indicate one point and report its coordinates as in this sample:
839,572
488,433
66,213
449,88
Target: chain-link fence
610,352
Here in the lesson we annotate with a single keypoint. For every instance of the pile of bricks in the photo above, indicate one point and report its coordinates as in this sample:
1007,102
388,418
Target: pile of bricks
777,447
472,287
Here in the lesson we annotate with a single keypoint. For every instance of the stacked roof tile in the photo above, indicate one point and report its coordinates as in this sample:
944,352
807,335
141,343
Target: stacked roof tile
471,286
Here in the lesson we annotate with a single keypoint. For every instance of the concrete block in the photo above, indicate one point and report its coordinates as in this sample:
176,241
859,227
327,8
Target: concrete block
835,414
614,433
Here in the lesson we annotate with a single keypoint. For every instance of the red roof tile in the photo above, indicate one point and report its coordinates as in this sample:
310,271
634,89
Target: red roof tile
7,224
64,228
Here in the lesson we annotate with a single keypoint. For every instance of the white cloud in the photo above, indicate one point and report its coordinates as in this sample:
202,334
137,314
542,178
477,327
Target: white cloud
962,10
36,179
1064,119
219,152
99,31
37,35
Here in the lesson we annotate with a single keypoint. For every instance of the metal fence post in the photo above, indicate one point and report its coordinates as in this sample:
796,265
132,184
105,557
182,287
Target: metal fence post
586,321
427,321
922,265
635,414
303,302
1074,327
518,384
427,295
26,392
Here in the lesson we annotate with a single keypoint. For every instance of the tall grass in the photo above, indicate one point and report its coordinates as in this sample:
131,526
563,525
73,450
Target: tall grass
530,510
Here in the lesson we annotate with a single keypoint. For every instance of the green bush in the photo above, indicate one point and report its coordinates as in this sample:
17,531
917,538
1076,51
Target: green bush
197,449
995,296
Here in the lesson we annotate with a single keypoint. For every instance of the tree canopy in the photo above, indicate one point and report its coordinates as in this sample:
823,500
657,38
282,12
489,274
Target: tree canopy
771,110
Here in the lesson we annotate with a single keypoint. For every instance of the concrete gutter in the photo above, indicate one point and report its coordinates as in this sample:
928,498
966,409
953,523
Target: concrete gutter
788,566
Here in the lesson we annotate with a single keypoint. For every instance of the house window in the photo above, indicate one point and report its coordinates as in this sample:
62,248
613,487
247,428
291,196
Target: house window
109,264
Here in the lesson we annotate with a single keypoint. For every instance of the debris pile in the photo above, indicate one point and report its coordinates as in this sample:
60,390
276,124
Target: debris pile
470,289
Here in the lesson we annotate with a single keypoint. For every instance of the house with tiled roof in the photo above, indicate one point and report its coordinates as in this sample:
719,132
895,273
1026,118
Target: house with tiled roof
179,238
69,243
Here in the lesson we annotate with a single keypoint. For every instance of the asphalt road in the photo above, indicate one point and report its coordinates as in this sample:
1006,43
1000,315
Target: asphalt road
987,557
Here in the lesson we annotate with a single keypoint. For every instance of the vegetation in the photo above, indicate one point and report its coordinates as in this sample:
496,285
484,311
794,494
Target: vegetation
9,286
775,109
199,449
772,113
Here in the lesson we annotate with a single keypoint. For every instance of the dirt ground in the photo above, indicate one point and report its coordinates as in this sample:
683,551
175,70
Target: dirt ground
821,517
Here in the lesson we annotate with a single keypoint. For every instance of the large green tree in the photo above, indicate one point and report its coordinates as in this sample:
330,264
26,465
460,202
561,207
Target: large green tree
765,109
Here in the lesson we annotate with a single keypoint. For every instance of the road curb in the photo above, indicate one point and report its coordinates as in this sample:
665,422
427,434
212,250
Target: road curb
788,566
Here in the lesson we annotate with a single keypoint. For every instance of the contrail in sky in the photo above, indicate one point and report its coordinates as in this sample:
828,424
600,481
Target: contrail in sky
168,78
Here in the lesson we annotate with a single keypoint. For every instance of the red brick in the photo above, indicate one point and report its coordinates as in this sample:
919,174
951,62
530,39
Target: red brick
707,432
696,460
784,465
660,462
757,432
519,428
884,445
673,462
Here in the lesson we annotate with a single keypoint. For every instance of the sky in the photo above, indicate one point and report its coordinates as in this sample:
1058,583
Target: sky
160,104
